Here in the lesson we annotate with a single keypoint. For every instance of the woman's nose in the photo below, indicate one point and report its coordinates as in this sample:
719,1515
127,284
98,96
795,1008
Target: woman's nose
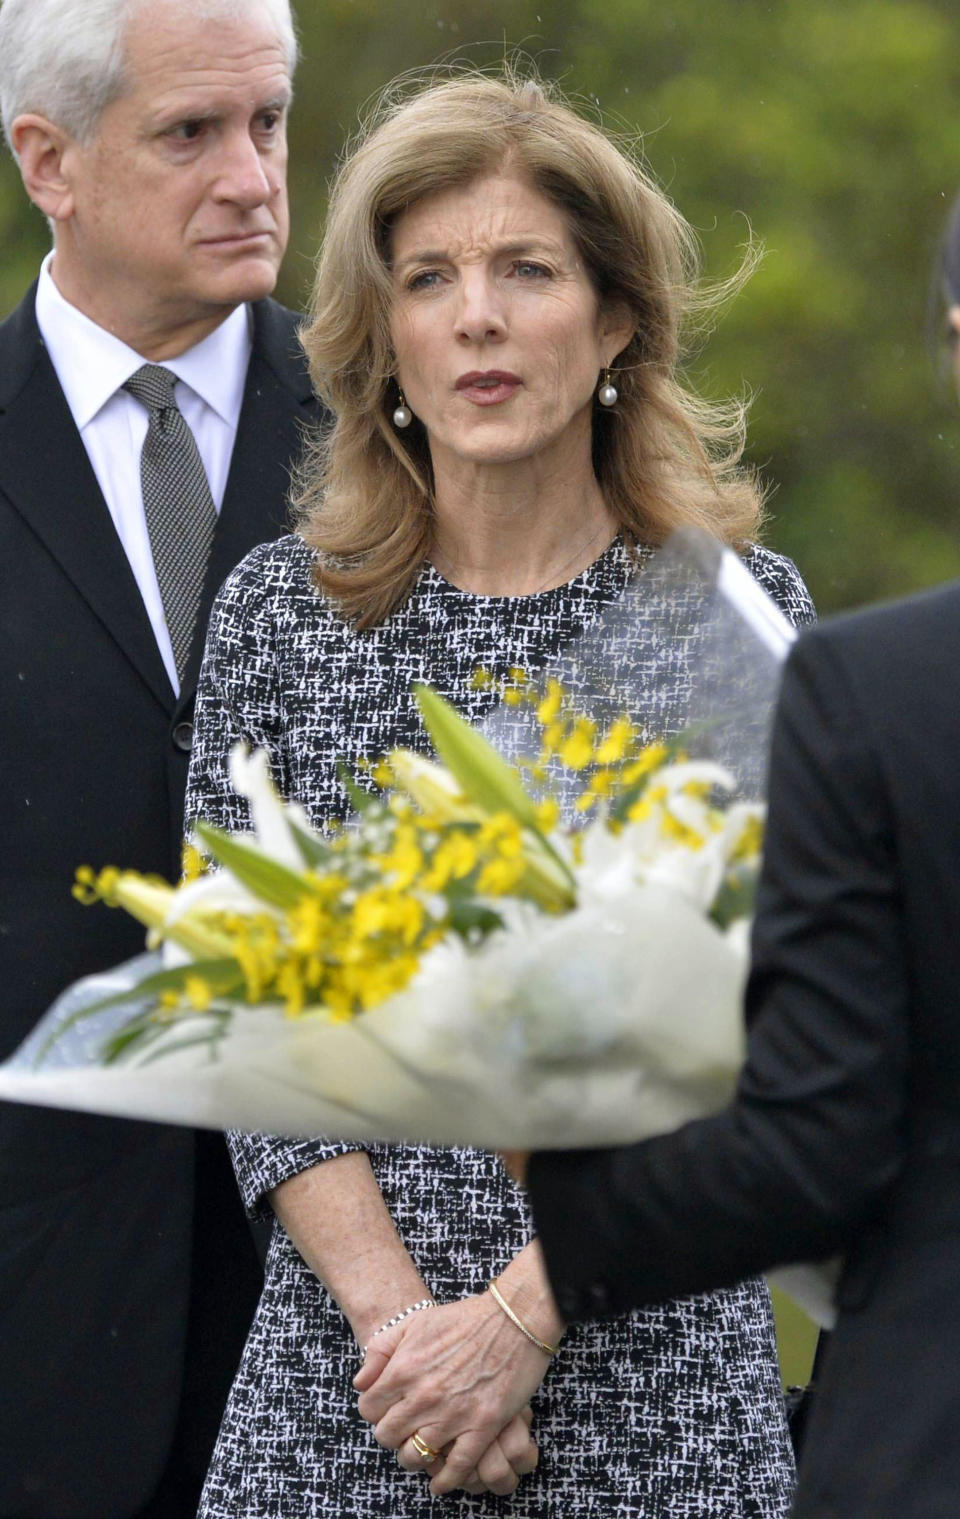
480,313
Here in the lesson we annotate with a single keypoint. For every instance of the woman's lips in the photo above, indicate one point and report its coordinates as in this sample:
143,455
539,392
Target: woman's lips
488,387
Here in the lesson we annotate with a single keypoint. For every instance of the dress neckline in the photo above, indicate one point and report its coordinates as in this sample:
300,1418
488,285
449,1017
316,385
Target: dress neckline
615,557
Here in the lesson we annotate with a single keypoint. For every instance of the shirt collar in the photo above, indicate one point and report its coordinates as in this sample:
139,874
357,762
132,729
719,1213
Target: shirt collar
92,364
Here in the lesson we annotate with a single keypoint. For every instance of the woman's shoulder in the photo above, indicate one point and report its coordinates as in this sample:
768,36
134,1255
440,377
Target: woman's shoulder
272,587
274,568
783,583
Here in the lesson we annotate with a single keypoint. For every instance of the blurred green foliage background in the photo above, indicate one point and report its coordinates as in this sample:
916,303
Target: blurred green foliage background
831,126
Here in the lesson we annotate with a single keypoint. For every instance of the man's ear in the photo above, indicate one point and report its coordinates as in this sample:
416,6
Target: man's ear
42,148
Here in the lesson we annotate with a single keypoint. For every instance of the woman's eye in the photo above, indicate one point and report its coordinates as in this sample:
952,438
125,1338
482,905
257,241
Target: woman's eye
425,280
187,131
528,270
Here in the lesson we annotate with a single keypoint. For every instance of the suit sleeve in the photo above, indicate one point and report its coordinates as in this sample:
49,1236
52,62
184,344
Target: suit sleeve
239,700
793,1168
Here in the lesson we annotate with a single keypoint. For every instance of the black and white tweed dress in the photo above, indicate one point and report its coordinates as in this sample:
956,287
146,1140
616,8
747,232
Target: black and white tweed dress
673,1413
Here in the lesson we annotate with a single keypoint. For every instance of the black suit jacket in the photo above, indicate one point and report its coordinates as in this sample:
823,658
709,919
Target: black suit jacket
845,1132
100,1236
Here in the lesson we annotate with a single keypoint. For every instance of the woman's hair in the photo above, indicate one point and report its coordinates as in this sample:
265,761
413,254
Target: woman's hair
65,59
662,455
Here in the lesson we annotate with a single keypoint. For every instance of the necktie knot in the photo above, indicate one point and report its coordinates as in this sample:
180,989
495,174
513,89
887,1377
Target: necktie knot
152,386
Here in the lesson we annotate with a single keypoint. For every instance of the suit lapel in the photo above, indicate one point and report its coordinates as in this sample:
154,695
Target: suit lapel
278,407
45,472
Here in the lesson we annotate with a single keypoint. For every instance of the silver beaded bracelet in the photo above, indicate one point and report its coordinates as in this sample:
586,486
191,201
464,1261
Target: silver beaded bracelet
425,1302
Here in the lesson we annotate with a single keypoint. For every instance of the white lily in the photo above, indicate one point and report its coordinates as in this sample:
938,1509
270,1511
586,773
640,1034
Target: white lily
433,788
250,777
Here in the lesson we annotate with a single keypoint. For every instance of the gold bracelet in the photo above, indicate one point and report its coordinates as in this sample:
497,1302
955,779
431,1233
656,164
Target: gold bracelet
540,1344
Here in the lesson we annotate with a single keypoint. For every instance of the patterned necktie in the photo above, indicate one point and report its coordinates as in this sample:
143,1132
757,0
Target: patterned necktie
177,504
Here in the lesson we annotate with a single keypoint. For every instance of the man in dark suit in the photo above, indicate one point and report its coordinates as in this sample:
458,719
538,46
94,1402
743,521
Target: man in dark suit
154,140
844,1136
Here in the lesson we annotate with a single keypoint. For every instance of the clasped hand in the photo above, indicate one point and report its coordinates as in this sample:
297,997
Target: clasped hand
460,1377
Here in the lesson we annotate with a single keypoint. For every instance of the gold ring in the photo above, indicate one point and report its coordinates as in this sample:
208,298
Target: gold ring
423,1449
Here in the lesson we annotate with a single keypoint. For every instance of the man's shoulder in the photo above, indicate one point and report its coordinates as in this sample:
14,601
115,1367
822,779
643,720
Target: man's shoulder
276,341
20,345
872,633
894,661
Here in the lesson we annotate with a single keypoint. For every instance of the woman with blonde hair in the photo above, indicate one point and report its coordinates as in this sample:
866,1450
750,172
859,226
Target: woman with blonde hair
496,324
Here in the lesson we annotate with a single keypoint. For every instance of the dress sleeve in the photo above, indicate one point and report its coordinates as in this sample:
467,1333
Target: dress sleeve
782,581
239,699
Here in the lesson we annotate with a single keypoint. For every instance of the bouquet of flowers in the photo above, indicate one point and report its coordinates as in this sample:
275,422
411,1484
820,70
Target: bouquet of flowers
537,939
457,964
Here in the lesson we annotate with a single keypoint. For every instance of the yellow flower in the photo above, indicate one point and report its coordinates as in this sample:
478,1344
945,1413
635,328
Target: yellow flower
309,926
616,743
680,833
192,863
750,842
198,992
548,815
290,985
93,886
453,859
502,833
500,876
644,806
405,861
576,751
553,735
548,709
649,758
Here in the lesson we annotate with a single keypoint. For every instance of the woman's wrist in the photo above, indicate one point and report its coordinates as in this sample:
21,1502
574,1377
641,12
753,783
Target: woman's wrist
525,1287
386,1308
420,1306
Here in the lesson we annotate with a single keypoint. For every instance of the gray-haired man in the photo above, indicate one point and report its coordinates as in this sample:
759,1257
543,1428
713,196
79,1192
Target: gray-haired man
151,397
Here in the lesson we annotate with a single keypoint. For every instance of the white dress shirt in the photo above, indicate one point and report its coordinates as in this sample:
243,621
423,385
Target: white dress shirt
92,366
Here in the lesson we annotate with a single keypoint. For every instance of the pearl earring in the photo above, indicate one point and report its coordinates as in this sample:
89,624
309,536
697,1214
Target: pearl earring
608,394
402,416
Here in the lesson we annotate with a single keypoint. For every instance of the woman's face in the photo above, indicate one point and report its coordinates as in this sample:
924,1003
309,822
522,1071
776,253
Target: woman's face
496,327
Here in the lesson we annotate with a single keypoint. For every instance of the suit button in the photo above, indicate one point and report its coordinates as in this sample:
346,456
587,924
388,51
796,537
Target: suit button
598,1297
182,736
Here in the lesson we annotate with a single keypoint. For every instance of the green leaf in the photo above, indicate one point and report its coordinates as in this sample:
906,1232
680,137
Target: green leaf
737,895
213,1038
313,851
137,1033
268,880
360,799
223,976
484,775
466,917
